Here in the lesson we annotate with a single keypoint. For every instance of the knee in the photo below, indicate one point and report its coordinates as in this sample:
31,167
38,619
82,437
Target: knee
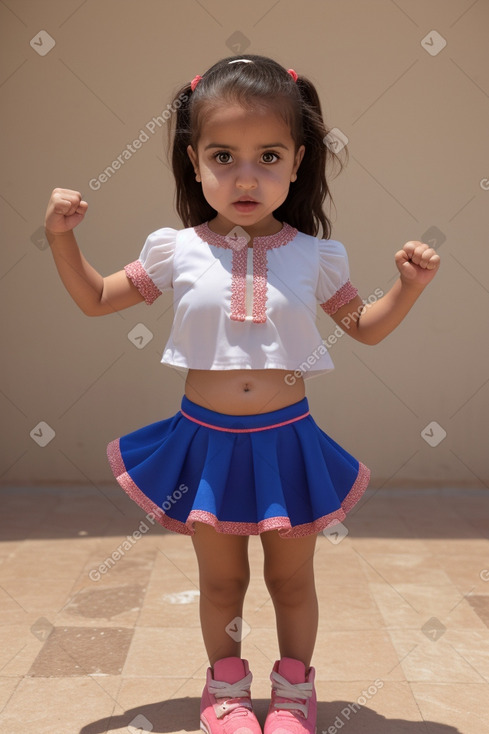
289,590
225,591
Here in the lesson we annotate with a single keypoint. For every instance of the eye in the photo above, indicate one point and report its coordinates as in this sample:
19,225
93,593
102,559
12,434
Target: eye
270,157
223,157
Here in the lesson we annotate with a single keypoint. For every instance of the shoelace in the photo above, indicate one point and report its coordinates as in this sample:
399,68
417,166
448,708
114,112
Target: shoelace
295,692
223,690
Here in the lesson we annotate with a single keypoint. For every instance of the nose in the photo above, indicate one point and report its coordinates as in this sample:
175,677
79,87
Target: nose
246,177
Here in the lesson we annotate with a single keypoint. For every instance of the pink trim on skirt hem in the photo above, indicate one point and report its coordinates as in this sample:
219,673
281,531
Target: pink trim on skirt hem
282,524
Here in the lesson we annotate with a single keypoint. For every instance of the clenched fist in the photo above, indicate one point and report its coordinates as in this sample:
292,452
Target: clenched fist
65,210
417,263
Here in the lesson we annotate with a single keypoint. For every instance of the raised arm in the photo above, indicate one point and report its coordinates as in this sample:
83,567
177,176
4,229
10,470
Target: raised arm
417,264
94,294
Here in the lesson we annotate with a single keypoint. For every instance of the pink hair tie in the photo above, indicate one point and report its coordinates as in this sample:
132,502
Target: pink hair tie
194,82
293,74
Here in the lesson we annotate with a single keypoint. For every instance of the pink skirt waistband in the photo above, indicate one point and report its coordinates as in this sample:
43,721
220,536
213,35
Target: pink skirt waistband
244,430
244,423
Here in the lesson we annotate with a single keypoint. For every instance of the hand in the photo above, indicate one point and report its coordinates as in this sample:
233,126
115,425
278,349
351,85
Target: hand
417,263
65,210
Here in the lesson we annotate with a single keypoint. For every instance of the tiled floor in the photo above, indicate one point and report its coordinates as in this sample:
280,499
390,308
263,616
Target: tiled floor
85,649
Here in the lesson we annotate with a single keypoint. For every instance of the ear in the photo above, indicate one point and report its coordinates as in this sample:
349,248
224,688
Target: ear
195,161
298,159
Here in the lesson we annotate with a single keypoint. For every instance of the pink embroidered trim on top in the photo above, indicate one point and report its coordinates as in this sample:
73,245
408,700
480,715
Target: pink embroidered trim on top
286,235
140,278
260,283
343,295
240,265
238,284
243,430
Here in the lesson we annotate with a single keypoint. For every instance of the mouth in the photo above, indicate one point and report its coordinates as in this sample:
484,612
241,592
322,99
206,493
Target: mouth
245,204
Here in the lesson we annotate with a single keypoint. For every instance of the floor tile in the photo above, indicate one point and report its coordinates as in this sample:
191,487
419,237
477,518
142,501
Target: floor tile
160,704
412,605
60,705
77,651
451,656
395,568
339,609
480,605
356,655
463,707
373,706
100,630
158,651
21,643
467,571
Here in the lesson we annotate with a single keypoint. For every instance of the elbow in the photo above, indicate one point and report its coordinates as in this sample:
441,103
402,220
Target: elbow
373,341
370,334
368,338
91,309
97,309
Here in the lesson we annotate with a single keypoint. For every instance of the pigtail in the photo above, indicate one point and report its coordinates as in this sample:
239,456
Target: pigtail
303,207
191,206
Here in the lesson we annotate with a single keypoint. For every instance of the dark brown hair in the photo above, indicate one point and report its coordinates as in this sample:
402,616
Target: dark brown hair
266,83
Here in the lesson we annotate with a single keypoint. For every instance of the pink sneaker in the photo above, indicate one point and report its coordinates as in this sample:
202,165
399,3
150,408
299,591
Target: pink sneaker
293,709
226,701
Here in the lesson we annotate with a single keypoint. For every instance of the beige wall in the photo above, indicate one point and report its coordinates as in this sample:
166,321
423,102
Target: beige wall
418,129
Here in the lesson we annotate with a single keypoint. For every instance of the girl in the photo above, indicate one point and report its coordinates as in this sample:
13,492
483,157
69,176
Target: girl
243,455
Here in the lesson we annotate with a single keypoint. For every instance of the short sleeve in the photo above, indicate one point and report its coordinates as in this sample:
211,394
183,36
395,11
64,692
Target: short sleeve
152,273
334,289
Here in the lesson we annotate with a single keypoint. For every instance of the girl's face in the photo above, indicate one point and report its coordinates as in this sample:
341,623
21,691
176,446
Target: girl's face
245,161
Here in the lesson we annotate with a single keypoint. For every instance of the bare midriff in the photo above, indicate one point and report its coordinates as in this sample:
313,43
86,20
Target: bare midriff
244,392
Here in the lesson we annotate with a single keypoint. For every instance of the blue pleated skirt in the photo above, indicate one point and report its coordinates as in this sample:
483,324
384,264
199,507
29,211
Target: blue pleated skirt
241,474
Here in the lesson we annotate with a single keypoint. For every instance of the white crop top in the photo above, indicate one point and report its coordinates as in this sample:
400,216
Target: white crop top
237,307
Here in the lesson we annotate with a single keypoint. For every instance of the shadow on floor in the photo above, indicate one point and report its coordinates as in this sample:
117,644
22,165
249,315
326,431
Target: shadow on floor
182,714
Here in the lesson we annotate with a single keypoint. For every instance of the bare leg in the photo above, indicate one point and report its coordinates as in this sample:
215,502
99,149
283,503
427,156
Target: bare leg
289,576
224,575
